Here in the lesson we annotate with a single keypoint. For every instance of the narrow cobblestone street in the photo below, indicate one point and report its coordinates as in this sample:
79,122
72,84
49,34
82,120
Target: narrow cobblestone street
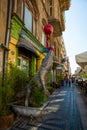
62,113
43,65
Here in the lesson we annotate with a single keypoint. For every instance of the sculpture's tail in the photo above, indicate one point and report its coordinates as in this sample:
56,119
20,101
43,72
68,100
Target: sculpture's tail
39,77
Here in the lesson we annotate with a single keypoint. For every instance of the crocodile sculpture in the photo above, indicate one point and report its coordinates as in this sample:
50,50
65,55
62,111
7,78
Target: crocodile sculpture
39,78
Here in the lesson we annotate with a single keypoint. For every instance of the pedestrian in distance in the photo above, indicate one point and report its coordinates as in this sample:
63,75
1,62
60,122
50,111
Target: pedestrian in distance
66,81
69,81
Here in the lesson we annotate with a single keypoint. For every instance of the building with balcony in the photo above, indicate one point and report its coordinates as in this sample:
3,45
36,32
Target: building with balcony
22,39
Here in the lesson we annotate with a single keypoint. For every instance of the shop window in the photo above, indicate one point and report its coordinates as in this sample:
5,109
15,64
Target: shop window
23,64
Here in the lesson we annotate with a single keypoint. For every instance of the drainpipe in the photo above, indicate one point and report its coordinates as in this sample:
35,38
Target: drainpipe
9,11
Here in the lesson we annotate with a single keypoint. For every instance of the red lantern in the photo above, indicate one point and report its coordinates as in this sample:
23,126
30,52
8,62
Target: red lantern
48,29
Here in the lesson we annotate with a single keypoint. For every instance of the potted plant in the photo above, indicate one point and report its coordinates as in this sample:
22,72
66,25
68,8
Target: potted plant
37,97
11,85
6,116
50,88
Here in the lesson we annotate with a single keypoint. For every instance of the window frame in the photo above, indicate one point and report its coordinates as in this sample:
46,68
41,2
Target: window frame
34,19
51,7
43,38
28,12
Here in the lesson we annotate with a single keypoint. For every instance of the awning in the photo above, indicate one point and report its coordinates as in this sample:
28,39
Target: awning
81,59
24,43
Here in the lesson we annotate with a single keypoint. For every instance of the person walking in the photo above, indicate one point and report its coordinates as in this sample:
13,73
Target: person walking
69,81
66,81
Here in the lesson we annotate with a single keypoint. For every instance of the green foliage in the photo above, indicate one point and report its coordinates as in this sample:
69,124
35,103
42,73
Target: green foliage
5,96
37,97
60,76
17,79
50,89
14,81
84,76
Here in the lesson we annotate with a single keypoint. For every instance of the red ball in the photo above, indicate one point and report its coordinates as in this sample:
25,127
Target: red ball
48,29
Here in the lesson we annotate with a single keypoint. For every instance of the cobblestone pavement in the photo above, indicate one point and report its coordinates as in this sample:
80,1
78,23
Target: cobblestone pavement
62,113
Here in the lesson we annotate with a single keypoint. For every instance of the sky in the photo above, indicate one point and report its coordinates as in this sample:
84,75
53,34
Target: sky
75,34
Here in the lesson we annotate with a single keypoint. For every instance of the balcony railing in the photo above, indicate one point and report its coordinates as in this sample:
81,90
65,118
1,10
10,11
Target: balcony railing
56,25
65,4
